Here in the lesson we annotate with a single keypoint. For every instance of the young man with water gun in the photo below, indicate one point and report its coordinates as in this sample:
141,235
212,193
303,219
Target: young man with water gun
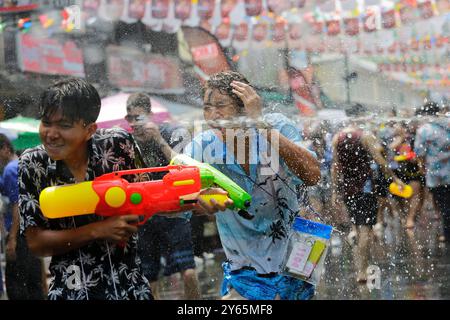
254,247
93,257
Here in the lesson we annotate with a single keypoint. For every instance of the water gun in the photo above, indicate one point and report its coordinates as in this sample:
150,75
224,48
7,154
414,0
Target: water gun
405,193
241,199
406,154
111,194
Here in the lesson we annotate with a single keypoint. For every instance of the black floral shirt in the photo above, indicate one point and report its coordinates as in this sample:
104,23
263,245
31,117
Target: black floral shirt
99,270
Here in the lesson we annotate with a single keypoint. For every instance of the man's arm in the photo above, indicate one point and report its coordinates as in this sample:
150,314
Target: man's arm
45,242
371,144
12,238
299,160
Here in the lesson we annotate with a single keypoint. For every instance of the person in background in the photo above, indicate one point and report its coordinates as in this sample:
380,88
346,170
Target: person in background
161,236
432,147
24,272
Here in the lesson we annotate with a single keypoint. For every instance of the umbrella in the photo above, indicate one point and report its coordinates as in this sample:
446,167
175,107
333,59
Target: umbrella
114,110
23,132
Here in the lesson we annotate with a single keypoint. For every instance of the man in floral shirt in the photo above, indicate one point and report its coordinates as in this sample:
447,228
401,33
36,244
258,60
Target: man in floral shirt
87,262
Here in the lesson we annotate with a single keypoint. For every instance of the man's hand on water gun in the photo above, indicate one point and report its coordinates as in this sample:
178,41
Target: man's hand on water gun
248,95
399,183
116,229
209,205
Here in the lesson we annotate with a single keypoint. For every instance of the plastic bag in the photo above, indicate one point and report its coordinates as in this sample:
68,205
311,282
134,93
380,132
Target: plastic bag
307,250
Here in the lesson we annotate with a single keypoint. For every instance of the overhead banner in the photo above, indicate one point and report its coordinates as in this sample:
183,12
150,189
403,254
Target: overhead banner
49,56
134,70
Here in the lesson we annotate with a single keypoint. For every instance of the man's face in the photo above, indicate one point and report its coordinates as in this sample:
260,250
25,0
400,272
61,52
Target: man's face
137,116
218,106
62,138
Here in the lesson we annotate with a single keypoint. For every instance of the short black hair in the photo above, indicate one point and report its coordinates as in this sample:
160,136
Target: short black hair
4,141
430,108
222,82
139,100
77,98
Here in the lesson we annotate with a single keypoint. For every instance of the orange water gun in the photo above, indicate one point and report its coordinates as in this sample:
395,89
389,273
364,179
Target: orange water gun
110,194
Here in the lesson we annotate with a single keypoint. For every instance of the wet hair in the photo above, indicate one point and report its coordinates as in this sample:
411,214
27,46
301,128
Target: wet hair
428,109
78,100
139,100
4,141
222,82
356,110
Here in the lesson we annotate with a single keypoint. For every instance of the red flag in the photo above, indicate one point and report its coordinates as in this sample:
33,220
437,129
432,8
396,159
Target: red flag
295,31
205,9
241,32
351,26
317,27
226,6
426,10
260,31
278,33
207,53
407,14
136,9
333,27
253,7
223,31
388,19
297,3
160,9
278,6
369,22
182,9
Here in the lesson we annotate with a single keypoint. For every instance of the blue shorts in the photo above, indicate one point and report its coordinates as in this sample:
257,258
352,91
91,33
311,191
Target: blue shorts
169,238
253,286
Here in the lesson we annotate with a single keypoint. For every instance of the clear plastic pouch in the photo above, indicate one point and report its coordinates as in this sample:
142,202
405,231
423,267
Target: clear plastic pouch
307,250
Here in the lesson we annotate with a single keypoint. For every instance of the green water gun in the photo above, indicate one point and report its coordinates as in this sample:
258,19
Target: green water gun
211,176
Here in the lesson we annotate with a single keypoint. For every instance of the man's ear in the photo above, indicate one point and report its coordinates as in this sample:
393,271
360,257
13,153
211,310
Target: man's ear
92,128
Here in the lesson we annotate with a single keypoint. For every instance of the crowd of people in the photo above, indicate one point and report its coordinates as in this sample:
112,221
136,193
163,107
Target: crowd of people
352,163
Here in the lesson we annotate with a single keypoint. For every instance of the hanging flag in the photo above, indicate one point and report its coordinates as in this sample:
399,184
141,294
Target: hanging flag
370,20
253,7
226,6
90,7
333,27
278,33
295,31
317,27
388,19
241,32
182,9
407,14
223,31
278,6
260,31
205,9
136,9
351,26
297,4
160,9
206,52
426,9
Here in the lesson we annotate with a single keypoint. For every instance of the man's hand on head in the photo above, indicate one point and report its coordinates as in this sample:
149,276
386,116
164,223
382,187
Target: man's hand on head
248,95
